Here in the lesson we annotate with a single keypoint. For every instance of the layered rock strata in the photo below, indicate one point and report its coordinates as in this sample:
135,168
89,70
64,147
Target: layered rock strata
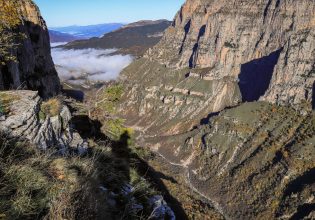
255,161
223,53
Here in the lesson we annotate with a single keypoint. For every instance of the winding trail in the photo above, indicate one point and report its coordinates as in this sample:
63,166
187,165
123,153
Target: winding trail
141,140
213,203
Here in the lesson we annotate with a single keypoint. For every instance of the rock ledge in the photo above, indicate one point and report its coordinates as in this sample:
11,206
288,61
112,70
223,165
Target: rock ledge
23,121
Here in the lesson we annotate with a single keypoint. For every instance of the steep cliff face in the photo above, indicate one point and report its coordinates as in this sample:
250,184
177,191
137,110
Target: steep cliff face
294,76
239,38
34,68
218,54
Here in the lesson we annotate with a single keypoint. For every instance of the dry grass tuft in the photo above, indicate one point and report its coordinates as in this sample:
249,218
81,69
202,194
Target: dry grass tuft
6,100
51,108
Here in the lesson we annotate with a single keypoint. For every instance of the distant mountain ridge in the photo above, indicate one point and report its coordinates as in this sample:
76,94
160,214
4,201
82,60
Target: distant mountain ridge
144,23
56,36
88,31
134,38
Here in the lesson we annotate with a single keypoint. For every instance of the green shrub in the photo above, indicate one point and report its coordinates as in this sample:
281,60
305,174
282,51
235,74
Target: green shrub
110,97
114,93
10,19
114,128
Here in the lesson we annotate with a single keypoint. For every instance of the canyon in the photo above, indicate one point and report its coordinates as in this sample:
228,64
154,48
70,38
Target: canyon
227,94
221,108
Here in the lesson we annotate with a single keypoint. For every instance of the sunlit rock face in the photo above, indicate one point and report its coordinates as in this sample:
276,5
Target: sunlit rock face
230,37
221,53
34,68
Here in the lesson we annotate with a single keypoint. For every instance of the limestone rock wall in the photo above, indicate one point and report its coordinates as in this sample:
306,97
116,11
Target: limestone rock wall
218,54
294,76
226,35
254,160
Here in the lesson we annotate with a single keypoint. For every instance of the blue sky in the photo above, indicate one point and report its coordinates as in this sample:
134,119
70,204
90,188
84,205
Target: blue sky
85,12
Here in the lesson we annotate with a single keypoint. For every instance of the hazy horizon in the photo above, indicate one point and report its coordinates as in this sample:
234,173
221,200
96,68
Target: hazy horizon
77,25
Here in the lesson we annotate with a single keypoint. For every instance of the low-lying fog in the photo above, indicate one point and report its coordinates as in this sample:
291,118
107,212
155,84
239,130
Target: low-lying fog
56,44
79,66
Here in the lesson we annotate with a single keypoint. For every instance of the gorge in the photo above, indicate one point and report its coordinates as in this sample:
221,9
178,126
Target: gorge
217,116
248,69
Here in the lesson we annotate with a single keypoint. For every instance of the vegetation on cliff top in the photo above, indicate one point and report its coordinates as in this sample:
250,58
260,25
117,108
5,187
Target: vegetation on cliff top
10,19
36,184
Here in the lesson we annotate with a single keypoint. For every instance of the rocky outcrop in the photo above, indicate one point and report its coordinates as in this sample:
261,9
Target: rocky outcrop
156,204
34,68
160,208
22,120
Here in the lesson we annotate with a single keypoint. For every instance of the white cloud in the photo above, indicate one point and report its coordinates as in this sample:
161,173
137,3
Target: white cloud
91,64
57,44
